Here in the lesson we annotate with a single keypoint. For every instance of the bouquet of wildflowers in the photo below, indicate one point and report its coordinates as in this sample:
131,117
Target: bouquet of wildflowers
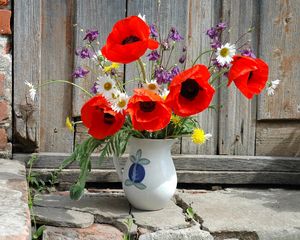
166,100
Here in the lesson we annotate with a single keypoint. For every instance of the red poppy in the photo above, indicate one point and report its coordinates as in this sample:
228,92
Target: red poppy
148,111
190,92
102,121
249,75
128,40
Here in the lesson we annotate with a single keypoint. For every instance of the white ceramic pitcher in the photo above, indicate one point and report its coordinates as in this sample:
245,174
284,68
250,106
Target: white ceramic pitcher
149,177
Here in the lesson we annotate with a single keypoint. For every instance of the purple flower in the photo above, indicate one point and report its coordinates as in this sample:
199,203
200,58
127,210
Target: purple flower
248,53
94,89
153,31
182,59
83,53
80,72
221,26
184,49
162,76
212,32
218,65
215,43
153,56
165,44
175,71
91,35
174,35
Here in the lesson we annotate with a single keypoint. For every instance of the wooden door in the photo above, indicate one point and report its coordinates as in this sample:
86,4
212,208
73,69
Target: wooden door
243,131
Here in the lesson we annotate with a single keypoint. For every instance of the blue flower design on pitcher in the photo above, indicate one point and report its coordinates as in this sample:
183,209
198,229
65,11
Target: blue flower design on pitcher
136,172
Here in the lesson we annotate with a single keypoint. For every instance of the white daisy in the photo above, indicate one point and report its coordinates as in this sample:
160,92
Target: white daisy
164,93
152,85
272,86
143,17
105,86
32,90
225,54
120,103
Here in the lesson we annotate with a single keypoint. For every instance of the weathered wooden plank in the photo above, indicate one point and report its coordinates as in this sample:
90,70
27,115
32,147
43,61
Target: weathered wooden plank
202,15
93,14
278,138
186,162
56,63
279,36
238,115
200,177
27,63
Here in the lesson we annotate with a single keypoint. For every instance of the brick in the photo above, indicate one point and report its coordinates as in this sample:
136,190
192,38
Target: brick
4,2
7,48
3,139
5,16
3,110
2,83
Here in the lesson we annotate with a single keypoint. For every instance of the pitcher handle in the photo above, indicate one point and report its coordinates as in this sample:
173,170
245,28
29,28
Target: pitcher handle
118,167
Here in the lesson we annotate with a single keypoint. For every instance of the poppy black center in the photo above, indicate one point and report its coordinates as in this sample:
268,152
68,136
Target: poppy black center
250,76
130,39
189,89
147,106
108,118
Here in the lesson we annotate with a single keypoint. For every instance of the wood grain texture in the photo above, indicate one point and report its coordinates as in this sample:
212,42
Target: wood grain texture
279,47
93,14
56,63
200,177
201,16
278,138
27,63
185,162
237,118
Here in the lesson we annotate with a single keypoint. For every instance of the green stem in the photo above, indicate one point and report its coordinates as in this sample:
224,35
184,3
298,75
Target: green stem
201,56
218,75
64,81
170,56
142,69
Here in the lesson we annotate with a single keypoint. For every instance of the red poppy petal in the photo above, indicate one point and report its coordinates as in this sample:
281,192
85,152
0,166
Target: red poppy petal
152,44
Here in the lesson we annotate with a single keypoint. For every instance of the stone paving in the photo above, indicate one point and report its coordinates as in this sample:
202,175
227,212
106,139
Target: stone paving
14,212
229,214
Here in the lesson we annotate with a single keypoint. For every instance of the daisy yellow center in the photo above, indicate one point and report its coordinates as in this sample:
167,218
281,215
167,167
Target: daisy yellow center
121,103
69,124
224,52
198,136
107,86
152,86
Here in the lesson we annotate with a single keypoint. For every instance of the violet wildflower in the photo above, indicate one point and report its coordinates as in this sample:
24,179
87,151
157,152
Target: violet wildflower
153,31
221,26
175,71
248,53
162,76
212,32
153,56
91,35
94,88
165,44
215,43
83,53
80,72
182,59
174,35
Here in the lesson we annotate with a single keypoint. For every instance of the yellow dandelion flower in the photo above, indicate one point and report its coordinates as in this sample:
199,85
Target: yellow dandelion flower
69,124
111,67
199,136
175,119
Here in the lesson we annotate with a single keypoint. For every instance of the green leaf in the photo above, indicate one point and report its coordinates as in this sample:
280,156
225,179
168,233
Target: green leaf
132,159
39,232
190,212
128,182
138,154
140,186
76,191
144,161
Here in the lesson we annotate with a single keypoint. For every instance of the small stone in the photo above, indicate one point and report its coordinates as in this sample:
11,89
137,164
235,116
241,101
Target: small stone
169,217
3,139
62,217
4,2
96,231
192,233
3,110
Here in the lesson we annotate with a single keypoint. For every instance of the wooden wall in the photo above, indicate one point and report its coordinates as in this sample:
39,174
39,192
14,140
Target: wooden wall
44,44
